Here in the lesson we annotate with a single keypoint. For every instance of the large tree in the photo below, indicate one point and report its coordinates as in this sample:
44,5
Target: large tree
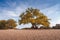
35,17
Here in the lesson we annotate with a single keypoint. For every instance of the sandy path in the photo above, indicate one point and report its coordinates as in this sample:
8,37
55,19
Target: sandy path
30,34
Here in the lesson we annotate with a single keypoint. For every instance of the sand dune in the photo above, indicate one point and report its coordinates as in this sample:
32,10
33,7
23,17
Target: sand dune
47,34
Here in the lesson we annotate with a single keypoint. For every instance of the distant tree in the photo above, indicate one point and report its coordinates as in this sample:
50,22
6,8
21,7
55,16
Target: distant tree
57,26
2,24
7,24
11,23
35,17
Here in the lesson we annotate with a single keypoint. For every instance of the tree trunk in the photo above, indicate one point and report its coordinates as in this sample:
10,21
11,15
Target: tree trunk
34,26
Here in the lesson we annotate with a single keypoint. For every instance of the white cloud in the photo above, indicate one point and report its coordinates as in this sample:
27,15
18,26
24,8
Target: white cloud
21,8
11,4
53,13
7,13
11,13
24,26
58,21
51,10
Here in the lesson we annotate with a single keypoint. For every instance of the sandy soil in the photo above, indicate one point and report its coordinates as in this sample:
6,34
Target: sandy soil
47,34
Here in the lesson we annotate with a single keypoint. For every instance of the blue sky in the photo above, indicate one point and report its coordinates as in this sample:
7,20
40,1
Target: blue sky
13,8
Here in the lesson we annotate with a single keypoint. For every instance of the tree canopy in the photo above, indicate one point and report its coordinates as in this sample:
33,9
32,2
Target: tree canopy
35,17
11,23
2,24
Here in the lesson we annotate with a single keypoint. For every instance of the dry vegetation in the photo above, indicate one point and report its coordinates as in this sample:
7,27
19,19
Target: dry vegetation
43,34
